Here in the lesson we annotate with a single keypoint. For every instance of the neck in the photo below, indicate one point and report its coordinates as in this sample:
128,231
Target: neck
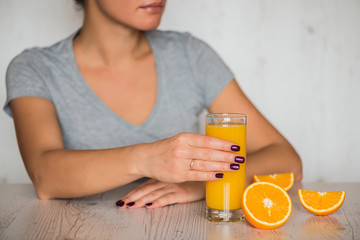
108,43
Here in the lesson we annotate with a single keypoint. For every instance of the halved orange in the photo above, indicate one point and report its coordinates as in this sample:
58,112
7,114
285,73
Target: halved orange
321,203
266,205
284,180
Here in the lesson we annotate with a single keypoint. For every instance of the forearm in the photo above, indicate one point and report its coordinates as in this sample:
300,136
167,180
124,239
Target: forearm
76,173
275,158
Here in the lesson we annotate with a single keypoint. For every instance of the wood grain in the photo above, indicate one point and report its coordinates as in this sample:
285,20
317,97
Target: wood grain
23,216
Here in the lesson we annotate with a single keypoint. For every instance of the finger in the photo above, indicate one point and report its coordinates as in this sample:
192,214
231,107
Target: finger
141,192
214,155
164,200
202,141
202,176
134,190
121,203
214,166
149,198
142,185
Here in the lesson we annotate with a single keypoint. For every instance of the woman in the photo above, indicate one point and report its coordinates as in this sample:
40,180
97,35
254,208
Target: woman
117,101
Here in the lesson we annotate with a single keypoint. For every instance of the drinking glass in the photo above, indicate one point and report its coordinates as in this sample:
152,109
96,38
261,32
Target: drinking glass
224,196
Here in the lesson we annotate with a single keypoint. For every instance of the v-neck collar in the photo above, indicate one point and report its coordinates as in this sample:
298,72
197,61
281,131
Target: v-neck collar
102,106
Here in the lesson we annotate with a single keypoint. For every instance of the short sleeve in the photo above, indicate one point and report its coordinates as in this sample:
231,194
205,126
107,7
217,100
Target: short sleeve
23,79
210,72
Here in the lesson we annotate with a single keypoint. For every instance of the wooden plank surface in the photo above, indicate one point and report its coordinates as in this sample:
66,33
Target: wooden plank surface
23,216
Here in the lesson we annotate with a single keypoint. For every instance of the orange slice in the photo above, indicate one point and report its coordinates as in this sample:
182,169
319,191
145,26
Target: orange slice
284,180
321,203
266,205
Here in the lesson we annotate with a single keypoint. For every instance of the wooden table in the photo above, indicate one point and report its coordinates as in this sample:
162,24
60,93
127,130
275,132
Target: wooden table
23,216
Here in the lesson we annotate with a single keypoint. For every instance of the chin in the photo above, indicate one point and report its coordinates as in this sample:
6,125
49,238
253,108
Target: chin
149,28
148,25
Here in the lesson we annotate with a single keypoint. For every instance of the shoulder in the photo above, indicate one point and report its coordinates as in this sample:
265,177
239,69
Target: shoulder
185,39
182,43
38,57
161,35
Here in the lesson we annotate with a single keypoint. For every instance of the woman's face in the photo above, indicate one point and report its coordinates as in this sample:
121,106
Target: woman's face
138,14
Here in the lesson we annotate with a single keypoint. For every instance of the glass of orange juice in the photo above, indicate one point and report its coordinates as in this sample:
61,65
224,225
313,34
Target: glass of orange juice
224,196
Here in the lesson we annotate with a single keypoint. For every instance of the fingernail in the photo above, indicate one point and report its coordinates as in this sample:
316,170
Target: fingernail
120,203
239,159
130,204
219,175
235,148
234,166
148,204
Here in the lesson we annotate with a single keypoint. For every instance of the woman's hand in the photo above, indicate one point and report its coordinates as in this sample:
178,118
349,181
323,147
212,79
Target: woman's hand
153,194
188,157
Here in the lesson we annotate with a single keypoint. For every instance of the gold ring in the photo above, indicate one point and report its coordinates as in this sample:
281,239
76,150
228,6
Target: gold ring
191,164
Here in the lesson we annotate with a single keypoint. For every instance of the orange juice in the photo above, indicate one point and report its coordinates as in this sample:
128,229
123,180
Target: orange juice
226,193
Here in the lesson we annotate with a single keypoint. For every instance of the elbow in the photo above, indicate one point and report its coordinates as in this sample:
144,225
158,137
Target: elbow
298,172
40,178
298,176
40,187
42,195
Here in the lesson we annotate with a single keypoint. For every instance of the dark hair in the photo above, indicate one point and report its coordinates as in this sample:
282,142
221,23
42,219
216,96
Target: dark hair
80,3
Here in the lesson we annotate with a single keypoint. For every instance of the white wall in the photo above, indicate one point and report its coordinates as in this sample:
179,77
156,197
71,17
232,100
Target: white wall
299,61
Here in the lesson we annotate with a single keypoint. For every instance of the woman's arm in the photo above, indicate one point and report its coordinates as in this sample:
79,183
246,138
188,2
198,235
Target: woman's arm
55,171
61,173
267,150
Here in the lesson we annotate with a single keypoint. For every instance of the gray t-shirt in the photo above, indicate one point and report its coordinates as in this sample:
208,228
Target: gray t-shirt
189,77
